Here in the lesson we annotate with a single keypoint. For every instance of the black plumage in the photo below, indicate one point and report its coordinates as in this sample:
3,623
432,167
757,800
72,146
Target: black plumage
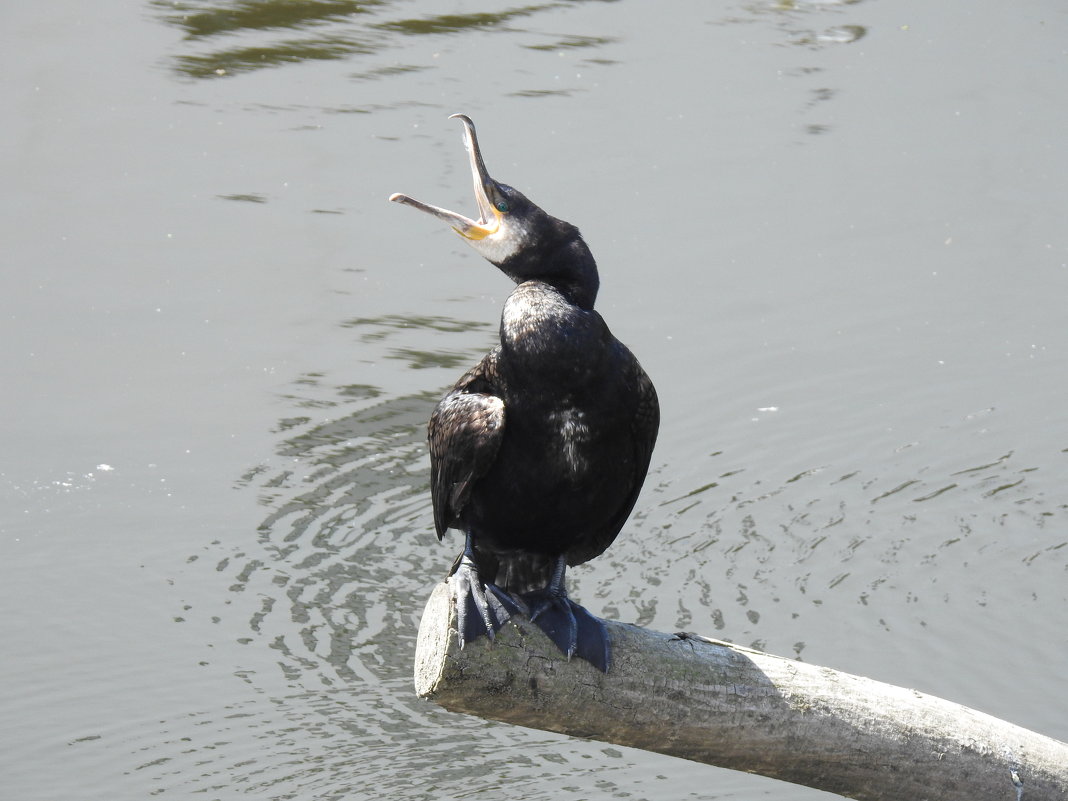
538,452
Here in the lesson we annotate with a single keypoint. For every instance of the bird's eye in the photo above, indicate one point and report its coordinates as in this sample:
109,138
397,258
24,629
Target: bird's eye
502,206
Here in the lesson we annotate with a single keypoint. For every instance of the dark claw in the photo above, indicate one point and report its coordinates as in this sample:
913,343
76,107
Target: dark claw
481,609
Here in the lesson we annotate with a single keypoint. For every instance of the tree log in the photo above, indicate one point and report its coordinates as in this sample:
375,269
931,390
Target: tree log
733,707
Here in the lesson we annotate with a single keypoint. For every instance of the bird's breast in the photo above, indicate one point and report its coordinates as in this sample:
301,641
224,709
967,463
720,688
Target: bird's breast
572,434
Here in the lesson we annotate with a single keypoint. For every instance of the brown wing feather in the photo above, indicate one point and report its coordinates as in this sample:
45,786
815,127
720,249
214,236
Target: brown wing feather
464,434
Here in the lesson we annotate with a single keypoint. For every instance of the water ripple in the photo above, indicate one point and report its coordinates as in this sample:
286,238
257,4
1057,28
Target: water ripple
730,550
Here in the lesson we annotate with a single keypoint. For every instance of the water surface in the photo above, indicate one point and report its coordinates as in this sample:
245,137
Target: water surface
832,232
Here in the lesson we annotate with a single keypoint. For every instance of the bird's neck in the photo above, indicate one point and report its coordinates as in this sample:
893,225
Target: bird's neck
567,266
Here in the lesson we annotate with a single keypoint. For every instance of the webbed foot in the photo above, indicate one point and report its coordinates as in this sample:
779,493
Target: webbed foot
481,609
573,629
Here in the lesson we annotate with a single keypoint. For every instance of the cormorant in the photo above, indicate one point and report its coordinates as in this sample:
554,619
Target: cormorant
538,452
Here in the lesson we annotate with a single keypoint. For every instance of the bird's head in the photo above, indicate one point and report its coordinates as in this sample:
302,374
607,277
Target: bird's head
514,234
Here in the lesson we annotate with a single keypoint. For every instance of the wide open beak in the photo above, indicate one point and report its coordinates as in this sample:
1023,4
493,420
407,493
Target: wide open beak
488,217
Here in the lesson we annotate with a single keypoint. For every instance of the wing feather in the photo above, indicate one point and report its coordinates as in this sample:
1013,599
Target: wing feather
464,434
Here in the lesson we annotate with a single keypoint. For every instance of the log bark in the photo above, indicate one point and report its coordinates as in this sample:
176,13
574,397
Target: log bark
733,707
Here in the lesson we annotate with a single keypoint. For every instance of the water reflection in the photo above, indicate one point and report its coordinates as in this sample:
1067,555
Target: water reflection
801,5
455,23
794,18
414,328
841,34
245,36
207,19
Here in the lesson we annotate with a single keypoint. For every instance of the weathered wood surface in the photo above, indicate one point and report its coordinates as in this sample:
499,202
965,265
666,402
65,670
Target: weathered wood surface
733,707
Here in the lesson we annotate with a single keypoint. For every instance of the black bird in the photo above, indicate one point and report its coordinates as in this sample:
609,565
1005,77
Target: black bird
537,454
